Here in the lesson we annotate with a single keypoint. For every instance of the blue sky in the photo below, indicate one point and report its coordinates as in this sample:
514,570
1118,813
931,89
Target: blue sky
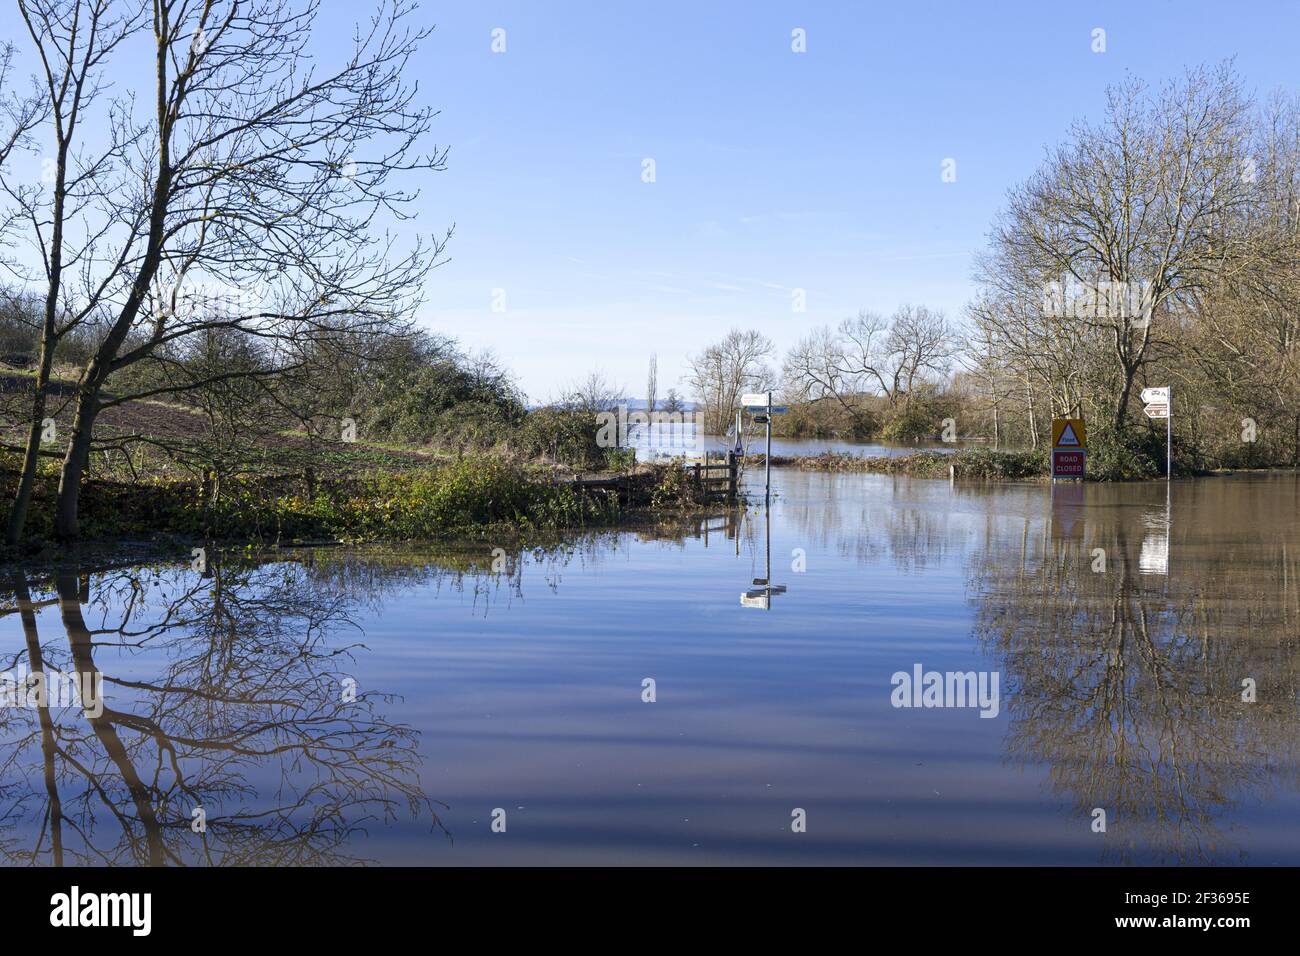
774,170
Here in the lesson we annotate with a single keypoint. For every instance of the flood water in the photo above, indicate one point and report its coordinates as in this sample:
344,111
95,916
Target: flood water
662,441
333,706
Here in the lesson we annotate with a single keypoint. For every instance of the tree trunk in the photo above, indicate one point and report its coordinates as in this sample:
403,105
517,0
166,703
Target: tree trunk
31,454
74,465
1033,425
1121,407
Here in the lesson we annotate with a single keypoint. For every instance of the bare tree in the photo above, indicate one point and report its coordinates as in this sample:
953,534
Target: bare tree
868,355
723,372
20,112
819,368
1148,201
981,355
652,384
921,344
247,198
73,42
1244,340
595,393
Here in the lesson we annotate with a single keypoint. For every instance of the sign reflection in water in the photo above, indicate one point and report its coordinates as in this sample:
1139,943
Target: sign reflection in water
760,594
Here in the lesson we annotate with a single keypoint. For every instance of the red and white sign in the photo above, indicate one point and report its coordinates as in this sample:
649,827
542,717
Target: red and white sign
1156,411
1068,464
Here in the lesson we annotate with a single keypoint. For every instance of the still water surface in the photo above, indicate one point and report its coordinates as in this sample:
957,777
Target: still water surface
521,689
660,441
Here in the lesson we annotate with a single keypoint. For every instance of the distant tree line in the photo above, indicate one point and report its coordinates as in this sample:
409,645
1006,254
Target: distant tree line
1156,246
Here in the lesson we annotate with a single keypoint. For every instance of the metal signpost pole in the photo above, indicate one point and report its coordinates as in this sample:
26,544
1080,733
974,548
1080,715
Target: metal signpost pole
761,403
767,455
1169,439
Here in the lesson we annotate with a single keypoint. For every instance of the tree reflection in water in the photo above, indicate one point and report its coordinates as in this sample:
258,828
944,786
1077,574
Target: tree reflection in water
1124,685
1128,685
223,692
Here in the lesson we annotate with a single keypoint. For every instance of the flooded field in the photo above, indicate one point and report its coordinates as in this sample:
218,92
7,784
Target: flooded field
642,697
675,441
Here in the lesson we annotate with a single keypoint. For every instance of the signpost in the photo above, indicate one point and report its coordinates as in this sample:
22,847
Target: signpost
1158,404
1069,448
761,402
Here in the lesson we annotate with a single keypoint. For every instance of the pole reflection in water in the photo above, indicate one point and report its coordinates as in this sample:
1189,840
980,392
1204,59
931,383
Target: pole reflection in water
760,595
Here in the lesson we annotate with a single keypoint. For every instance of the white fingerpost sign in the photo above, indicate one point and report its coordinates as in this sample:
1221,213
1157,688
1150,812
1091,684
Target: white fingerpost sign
1159,405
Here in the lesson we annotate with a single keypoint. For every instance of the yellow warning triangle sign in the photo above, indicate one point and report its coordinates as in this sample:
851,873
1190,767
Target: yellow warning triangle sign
1068,437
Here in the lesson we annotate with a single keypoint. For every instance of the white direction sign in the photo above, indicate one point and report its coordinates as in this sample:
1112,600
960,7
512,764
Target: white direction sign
1157,406
756,398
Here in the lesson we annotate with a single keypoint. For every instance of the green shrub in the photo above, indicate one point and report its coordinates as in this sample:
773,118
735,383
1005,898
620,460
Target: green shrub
620,459
921,419
674,487
999,465
472,492
564,436
909,425
1135,454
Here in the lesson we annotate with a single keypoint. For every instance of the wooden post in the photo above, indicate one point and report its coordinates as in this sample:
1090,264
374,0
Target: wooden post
731,476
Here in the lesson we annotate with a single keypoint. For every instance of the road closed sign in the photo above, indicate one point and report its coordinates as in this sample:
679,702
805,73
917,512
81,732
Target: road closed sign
1069,448
1068,464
